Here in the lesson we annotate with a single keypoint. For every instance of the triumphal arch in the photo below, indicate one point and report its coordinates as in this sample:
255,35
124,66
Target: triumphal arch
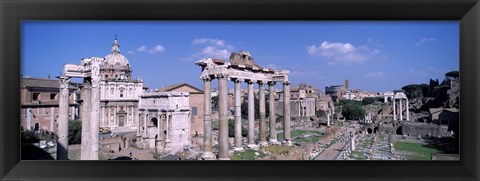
241,68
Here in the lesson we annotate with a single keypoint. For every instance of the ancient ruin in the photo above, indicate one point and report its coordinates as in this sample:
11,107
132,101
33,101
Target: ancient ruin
241,68
164,121
400,96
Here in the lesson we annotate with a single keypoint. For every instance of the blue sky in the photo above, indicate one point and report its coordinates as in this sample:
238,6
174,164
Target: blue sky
373,55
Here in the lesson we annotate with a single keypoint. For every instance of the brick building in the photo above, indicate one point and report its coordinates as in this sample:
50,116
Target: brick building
39,103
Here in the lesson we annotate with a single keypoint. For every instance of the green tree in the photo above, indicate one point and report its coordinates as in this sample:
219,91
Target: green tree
353,111
215,103
416,90
75,132
320,113
369,100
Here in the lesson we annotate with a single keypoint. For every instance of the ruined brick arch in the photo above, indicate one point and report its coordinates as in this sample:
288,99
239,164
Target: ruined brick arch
369,130
399,130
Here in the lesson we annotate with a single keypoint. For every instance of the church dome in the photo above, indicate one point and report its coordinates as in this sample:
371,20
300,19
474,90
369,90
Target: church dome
115,58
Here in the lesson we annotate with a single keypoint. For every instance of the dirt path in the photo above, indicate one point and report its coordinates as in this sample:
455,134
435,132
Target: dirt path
331,152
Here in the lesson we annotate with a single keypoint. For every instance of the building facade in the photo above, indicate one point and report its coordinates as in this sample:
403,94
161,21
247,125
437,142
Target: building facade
39,103
195,98
164,121
119,93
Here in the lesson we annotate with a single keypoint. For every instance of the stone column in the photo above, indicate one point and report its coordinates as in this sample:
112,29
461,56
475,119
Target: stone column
139,115
52,119
261,106
394,110
223,118
400,109
352,142
251,116
207,122
29,118
145,127
167,127
158,127
62,145
273,121
86,110
238,117
328,119
286,112
95,119
408,112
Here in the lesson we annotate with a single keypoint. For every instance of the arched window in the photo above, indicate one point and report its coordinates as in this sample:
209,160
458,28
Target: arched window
37,127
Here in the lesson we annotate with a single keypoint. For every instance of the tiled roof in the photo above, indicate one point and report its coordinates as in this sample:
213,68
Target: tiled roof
40,82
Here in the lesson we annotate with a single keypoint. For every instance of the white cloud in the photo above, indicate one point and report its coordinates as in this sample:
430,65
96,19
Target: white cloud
131,52
374,75
209,48
214,52
142,48
343,53
156,49
208,41
424,40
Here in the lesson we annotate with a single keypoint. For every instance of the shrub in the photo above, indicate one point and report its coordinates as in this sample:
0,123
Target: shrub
75,132
231,129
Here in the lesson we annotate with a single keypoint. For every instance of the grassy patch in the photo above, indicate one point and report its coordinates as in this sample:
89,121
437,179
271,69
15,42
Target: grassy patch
314,136
355,155
277,149
417,150
380,138
247,155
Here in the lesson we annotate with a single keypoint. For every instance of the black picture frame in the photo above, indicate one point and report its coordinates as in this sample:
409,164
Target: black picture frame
465,11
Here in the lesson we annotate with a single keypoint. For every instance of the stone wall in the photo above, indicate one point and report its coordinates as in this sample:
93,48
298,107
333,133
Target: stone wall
414,129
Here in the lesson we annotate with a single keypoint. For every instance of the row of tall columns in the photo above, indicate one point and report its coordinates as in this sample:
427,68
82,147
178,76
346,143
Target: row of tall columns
401,110
223,126
90,120
62,144
223,117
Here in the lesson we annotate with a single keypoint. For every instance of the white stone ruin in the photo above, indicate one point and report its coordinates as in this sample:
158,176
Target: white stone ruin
242,68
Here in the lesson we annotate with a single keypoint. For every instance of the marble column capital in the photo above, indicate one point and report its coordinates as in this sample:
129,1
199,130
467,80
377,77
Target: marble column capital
271,83
237,80
261,82
64,80
286,83
87,83
221,76
205,79
249,81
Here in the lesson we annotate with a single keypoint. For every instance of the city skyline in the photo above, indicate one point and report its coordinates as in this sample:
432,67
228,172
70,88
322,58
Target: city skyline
374,55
